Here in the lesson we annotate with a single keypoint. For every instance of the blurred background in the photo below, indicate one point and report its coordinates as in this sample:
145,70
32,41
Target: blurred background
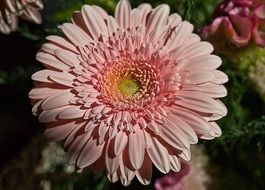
235,161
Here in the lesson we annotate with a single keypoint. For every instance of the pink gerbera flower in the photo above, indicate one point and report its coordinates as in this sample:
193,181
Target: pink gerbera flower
128,91
11,9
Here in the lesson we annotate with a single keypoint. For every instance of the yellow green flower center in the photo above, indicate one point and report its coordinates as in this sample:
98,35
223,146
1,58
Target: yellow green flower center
128,87
128,84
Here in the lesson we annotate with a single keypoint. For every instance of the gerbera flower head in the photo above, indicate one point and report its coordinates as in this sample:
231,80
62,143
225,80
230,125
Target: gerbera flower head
10,10
128,91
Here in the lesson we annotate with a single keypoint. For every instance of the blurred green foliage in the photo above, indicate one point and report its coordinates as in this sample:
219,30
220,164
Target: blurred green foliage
18,74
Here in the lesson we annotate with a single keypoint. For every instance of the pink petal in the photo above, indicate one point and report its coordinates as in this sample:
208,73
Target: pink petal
219,114
75,34
32,15
60,132
43,93
43,75
195,121
198,77
58,100
121,140
185,128
98,109
222,107
185,155
50,60
90,153
136,149
102,130
158,18
196,50
77,145
112,25
49,48
67,57
113,177
205,62
73,134
95,23
208,136
191,87
155,127
36,108
126,174
214,90
216,128
144,9
113,131
112,163
220,77
73,112
51,115
159,155
174,20
180,35
101,12
158,34
147,140
174,163
135,21
122,13
144,174
65,79
196,101
59,41
173,135
194,38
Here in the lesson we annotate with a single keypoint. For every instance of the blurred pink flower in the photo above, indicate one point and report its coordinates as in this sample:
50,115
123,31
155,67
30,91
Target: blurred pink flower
238,22
192,176
128,91
173,180
11,9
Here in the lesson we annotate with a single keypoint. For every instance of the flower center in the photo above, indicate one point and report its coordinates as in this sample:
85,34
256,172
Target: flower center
128,83
128,87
